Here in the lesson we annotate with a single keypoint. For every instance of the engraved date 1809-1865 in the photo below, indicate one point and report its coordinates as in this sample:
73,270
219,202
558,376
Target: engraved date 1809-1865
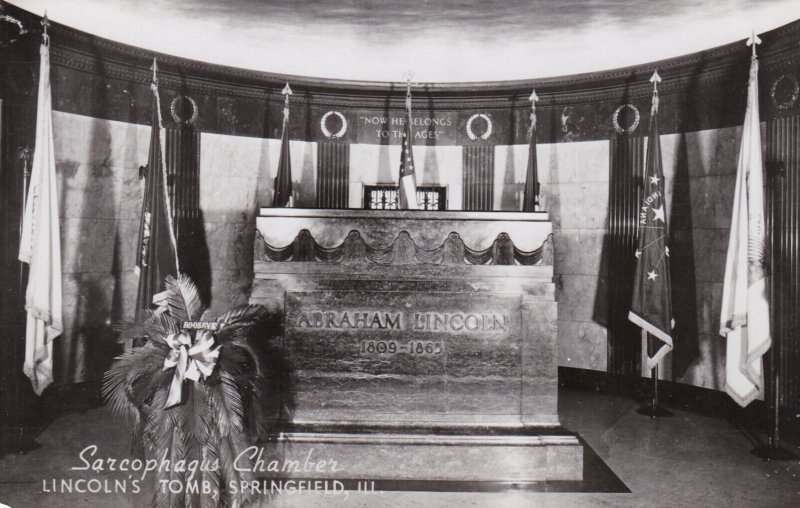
392,347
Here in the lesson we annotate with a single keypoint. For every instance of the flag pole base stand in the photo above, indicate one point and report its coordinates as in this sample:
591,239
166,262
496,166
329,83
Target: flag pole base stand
767,452
654,412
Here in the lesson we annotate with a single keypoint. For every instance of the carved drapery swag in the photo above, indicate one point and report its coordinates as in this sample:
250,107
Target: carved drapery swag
402,251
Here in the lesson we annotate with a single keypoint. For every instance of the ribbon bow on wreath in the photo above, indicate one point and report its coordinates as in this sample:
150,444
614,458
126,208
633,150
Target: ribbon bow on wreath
189,360
199,395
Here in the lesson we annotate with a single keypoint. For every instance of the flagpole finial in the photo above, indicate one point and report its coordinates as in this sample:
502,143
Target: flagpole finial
408,77
533,98
655,78
287,90
753,41
154,68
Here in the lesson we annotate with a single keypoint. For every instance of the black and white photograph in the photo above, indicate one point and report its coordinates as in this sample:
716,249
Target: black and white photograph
406,253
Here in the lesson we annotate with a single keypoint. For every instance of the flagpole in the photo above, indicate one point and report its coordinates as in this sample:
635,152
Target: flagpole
533,98
654,410
773,449
654,165
25,155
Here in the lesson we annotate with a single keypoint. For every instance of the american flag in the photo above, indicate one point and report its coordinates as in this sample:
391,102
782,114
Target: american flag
408,180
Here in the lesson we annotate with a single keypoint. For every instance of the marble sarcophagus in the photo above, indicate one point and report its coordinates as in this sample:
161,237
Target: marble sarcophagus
421,345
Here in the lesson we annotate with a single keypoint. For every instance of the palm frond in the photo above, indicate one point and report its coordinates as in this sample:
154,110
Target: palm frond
183,298
213,476
192,415
160,323
163,433
155,323
250,313
238,358
231,413
229,433
143,387
228,451
261,414
123,374
131,330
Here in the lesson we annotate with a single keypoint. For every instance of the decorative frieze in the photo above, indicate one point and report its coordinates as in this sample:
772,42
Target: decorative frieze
402,251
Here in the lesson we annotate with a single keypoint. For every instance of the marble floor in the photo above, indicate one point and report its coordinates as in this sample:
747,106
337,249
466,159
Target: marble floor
683,461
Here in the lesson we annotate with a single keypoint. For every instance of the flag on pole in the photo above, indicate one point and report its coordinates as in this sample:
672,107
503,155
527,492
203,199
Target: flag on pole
744,319
40,245
531,197
157,252
283,180
407,195
651,309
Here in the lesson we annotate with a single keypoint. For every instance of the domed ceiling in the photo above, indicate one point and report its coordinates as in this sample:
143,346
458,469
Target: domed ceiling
438,40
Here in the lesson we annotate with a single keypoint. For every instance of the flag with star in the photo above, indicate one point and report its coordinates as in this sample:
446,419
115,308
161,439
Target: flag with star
407,195
651,309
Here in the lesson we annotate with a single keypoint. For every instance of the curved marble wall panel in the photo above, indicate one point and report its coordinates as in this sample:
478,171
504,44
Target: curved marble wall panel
102,97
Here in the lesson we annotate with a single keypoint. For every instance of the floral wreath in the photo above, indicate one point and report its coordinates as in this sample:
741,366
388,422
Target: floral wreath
783,106
486,134
173,109
325,130
198,391
615,119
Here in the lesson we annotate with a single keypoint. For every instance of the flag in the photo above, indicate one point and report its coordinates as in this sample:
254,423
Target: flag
531,197
651,309
407,195
283,181
40,245
157,252
744,318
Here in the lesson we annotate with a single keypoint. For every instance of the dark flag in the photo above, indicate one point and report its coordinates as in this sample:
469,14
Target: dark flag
651,309
407,195
531,198
156,256
283,181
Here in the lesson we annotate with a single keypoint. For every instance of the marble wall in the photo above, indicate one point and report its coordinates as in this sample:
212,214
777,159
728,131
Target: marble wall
100,198
700,174
98,164
574,191
236,178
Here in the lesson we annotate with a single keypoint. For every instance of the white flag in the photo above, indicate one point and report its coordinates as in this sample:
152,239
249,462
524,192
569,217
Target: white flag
40,245
745,305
